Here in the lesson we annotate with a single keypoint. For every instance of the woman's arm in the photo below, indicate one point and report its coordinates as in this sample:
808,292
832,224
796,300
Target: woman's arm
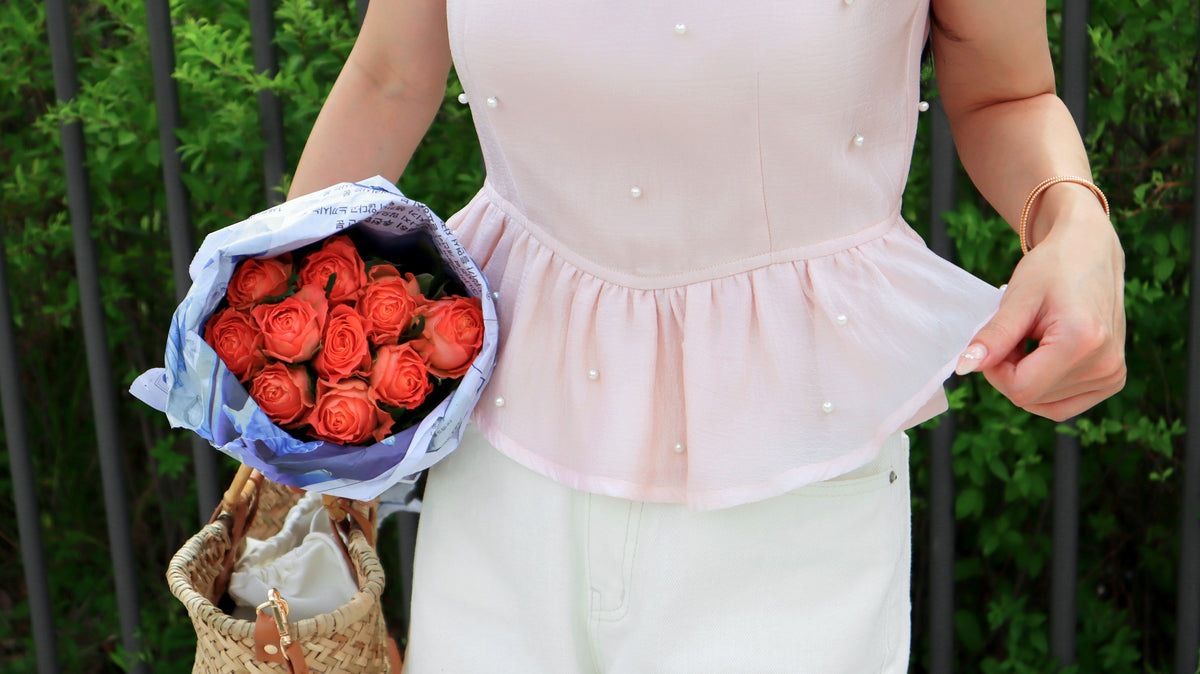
384,99
997,84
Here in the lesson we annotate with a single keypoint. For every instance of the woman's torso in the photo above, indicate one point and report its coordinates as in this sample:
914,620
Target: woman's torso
692,217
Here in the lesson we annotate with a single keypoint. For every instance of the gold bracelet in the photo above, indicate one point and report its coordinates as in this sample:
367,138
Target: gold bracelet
1023,230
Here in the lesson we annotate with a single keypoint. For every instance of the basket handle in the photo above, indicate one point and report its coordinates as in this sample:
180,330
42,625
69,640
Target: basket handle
240,504
235,490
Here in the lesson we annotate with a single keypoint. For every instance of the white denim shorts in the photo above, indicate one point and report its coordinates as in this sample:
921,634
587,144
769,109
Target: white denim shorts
517,573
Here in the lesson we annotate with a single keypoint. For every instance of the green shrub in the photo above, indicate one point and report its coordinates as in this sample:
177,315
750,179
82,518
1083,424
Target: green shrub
1141,123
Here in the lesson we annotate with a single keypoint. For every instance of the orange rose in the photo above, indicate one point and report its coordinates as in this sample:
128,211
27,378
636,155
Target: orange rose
344,349
345,414
453,335
389,304
283,393
255,279
292,328
237,340
400,377
337,256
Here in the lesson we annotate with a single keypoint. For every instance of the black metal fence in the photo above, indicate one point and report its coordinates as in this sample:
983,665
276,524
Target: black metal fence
940,601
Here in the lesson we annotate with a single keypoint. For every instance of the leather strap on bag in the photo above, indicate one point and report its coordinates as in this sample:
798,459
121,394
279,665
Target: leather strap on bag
341,513
394,656
272,641
341,508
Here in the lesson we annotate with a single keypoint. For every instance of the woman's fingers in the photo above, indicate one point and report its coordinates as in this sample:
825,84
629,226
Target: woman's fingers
1073,357
1003,338
1068,299
1074,386
1065,409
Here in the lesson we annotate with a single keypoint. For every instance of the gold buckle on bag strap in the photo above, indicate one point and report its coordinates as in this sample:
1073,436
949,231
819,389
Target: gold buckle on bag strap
272,640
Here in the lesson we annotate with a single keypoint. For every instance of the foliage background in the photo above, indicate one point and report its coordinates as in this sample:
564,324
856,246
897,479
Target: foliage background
1142,118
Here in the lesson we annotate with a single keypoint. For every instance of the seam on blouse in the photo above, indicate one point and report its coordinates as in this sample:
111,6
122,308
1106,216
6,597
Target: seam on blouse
465,76
729,268
762,169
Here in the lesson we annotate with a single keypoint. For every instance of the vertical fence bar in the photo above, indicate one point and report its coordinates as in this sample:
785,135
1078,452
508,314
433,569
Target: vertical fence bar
29,528
179,225
104,393
407,539
1064,564
166,103
1187,635
1064,570
1075,60
944,185
270,112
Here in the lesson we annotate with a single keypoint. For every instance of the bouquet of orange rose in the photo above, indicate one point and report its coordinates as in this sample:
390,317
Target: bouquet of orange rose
336,348
336,343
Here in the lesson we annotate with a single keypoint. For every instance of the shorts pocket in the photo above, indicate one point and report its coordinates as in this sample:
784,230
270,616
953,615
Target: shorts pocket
886,470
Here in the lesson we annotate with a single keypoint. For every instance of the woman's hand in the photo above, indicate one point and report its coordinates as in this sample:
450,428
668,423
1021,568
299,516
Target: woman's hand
993,68
1068,294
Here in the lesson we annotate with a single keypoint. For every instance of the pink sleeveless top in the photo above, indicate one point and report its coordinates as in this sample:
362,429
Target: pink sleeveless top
692,221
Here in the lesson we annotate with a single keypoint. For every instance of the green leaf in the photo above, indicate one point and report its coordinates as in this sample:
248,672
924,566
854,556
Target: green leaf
415,330
969,503
425,283
1164,267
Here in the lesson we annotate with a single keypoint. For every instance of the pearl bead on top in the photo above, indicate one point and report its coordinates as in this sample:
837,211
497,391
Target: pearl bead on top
923,106
827,407
678,448
462,98
859,140
635,192
492,101
495,294
680,28
841,319
593,374
499,401
848,2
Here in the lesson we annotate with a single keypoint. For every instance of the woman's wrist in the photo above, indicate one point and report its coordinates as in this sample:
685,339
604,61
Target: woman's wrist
1063,202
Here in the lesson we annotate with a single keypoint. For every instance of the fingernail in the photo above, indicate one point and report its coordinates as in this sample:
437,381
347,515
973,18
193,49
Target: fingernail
971,358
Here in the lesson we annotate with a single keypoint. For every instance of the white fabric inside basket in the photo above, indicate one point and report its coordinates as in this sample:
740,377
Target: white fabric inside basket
302,561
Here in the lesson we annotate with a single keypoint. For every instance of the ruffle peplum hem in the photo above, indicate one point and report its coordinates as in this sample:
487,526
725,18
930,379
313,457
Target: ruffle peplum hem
811,357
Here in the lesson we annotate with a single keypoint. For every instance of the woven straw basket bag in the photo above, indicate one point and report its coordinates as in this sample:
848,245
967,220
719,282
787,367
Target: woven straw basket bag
351,639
